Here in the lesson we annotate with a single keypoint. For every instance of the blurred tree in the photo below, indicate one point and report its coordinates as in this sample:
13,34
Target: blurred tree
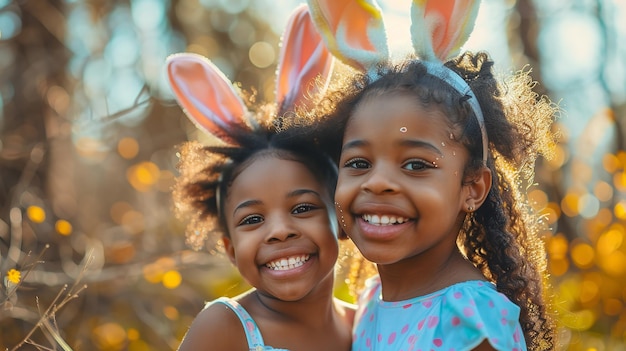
34,63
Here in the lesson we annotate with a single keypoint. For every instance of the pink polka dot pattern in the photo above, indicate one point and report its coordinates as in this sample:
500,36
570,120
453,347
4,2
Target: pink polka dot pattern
456,318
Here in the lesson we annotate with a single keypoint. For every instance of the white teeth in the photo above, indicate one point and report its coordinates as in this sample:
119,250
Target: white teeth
284,264
384,219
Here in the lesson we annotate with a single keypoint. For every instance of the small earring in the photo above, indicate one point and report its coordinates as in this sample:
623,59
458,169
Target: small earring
470,208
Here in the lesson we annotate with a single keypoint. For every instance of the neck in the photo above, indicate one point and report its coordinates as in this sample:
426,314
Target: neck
317,307
424,274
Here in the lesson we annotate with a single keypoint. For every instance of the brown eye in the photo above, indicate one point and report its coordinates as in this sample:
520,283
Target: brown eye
303,208
252,219
416,165
358,163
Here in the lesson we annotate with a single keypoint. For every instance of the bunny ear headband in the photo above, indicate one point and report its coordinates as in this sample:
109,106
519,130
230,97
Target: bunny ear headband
210,100
354,32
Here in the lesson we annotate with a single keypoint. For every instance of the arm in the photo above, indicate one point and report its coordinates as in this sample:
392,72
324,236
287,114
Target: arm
216,328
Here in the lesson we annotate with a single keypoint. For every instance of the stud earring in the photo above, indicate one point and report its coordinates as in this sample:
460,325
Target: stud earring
470,208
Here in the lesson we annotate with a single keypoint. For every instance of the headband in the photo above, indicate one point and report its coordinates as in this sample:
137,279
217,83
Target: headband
354,32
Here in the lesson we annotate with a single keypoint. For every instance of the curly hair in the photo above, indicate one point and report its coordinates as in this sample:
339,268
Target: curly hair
502,237
205,172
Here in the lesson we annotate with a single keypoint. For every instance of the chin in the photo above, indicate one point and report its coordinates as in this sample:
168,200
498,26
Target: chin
378,257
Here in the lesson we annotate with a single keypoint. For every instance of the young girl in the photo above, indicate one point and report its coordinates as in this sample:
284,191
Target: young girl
433,162
269,196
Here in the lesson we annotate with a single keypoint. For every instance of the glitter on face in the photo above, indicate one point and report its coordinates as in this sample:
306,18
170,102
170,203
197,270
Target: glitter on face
403,129
451,136
443,143
453,153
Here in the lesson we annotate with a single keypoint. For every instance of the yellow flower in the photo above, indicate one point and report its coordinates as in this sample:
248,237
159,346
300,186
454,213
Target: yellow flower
13,275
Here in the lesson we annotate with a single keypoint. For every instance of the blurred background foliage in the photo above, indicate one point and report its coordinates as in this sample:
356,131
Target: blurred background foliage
91,257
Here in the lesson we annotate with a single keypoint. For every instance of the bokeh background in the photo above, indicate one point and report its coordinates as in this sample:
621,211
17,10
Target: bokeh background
91,257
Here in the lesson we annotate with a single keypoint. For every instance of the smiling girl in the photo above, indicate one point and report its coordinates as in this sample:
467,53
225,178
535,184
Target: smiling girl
269,197
433,154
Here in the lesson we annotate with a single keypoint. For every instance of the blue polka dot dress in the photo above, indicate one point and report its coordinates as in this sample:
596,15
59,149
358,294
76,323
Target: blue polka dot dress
456,318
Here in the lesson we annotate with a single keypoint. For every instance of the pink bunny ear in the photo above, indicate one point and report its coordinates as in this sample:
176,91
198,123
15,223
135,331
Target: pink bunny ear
206,95
354,31
440,27
303,59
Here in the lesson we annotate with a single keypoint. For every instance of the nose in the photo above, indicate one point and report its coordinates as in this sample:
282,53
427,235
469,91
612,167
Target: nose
281,228
381,180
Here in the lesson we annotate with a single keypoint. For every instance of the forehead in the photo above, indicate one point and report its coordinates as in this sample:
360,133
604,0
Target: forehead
398,114
269,176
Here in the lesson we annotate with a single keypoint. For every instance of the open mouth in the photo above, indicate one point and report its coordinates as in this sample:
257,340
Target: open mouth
384,219
287,263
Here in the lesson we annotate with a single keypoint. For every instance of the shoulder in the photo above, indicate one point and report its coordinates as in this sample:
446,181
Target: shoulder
216,326
475,311
478,297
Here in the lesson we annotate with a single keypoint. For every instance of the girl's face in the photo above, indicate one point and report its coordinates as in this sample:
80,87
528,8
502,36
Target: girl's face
281,238
400,192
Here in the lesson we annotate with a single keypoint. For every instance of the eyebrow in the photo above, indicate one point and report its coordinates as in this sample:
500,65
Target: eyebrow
291,194
404,143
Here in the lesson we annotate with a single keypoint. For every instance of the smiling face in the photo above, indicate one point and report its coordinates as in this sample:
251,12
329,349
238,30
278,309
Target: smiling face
400,186
281,238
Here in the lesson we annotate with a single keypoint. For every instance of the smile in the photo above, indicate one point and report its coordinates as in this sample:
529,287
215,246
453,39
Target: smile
287,263
384,219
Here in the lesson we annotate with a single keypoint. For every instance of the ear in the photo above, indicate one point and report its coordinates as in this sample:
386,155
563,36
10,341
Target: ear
440,27
477,189
353,31
206,95
229,249
303,59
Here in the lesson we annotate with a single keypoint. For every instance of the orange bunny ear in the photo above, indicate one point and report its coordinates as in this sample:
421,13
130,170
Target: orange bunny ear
440,27
353,30
206,95
303,59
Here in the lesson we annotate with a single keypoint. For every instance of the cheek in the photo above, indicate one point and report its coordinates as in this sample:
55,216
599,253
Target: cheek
244,244
345,186
322,230
330,248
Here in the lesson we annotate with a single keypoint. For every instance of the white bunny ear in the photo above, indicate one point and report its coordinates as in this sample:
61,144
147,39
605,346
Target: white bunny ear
354,31
440,27
207,96
303,59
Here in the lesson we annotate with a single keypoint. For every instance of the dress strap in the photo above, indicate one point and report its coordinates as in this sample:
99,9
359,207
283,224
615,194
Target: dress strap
253,334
